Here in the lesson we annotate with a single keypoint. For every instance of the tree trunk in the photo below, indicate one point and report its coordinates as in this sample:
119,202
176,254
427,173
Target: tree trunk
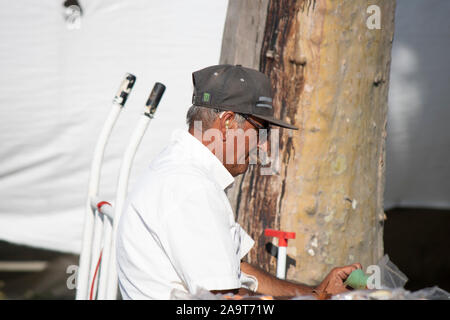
330,77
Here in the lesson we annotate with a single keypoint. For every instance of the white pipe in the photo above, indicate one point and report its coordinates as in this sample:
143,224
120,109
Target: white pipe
96,249
102,212
121,195
85,256
107,288
94,178
281,263
103,279
283,237
122,187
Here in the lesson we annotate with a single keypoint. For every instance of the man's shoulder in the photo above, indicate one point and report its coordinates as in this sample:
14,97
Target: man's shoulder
176,171
175,176
174,160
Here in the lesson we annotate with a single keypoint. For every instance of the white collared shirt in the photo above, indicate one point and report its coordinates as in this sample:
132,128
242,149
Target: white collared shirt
178,229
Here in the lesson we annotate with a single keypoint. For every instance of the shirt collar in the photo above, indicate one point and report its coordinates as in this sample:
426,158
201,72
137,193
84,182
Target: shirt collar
203,156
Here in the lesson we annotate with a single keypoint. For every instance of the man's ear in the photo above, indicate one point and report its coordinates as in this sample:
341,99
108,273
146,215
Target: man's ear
225,122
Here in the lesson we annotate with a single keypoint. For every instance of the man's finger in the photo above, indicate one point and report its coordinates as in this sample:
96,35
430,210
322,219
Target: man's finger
347,270
358,265
342,275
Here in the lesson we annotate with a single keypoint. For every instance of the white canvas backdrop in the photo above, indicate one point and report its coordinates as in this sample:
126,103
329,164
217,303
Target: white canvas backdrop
418,135
56,88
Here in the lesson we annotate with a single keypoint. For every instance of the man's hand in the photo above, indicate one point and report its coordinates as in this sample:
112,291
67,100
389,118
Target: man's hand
334,281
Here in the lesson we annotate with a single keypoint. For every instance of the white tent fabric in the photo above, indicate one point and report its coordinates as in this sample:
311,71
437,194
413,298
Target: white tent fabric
418,135
56,89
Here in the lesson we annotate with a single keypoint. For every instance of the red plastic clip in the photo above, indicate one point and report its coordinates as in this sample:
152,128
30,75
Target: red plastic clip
282,236
101,204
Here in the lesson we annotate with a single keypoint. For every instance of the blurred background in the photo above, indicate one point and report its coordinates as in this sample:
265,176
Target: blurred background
62,63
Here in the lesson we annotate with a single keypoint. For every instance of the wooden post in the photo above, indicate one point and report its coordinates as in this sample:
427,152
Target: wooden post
329,66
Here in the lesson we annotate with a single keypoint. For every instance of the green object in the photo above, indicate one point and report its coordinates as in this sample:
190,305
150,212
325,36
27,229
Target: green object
206,97
357,279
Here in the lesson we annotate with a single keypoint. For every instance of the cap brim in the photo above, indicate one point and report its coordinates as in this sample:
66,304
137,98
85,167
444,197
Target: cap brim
276,122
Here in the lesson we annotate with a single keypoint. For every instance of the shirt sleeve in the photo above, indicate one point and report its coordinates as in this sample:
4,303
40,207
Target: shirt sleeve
198,238
246,242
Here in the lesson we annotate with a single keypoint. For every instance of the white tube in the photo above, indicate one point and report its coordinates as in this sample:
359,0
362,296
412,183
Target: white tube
109,261
122,188
85,256
96,249
103,279
94,178
281,263
105,209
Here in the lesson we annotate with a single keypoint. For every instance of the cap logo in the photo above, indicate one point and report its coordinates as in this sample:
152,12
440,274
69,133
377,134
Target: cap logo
206,97
264,105
265,99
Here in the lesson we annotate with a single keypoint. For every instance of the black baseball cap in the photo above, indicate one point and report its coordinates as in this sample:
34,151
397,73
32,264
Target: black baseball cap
235,88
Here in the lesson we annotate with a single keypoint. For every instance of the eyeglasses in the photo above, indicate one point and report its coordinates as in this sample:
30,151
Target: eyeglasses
262,139
254,123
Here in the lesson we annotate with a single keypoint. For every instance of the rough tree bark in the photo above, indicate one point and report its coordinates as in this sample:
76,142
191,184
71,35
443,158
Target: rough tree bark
330,77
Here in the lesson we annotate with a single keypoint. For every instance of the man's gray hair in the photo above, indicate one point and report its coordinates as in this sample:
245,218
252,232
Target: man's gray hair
207,116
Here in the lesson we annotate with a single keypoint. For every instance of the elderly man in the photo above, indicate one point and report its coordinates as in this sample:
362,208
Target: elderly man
178,230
